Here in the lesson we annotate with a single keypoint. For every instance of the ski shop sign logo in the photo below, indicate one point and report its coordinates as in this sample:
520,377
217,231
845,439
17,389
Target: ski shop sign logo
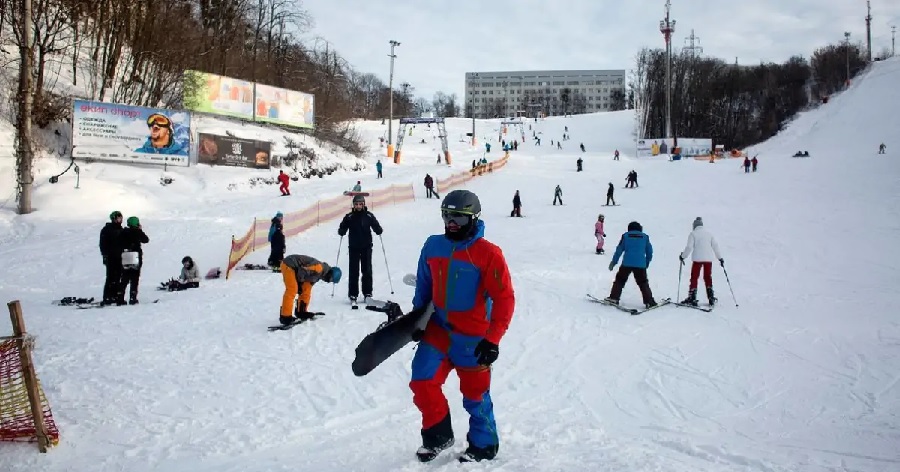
231,151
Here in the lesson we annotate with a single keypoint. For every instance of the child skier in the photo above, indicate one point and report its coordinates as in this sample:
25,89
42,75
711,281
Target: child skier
599,234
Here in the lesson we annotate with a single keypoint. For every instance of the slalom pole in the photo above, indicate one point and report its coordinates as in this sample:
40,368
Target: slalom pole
729,285
336,262
678,292
388,267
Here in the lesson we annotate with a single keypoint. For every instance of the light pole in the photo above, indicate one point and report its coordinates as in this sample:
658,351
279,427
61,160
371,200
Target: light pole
847,46
390,147
893,40
667,27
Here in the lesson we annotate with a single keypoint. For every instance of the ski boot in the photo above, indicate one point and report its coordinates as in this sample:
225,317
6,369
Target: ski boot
711,295
611,301
691,299
435,439
478,454
652,303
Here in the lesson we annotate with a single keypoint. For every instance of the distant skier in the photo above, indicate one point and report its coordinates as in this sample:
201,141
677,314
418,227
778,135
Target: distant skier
517,206
599,233
610,200
746,165
111,251
285,183
378,168
704,248
429,186
631,180
616,155
581,146
753,163
578,165
636,251
357,187
882,148
557,195
131,239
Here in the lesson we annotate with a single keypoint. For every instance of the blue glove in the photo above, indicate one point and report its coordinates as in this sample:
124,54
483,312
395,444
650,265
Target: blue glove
612,265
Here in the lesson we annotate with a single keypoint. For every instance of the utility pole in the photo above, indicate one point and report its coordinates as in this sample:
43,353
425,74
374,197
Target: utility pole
893,40
667,27
390,147
24,150
694,49
847,46
869,29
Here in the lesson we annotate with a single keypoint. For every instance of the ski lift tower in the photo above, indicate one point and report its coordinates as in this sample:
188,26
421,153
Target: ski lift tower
442,133
667,27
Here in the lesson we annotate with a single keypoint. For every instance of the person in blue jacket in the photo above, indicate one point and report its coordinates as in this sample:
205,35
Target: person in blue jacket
636,252
378,167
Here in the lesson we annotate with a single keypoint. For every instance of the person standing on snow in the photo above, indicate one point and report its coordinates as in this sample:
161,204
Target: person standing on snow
557,195
300,273
360,223
746,165
517,205
636,251
599,233
378,167
609,195
578,165
753,163
357,187
276,241
285,183
131,238
616,155
473,301
111,250
703,246
429,187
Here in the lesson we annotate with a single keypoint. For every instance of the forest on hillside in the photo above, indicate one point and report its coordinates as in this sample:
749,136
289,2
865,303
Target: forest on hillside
735,105
136,53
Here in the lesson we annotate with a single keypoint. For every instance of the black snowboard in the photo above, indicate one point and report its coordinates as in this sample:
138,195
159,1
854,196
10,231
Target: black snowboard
388,338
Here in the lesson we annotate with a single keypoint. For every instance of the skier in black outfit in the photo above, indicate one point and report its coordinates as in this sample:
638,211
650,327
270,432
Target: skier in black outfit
578,164
557,195
610,200
360,223
276,241
111,250
517,206
131,239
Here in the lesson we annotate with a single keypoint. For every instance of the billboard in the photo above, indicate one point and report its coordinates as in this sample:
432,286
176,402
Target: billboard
211,93
230,151
285,107
123,133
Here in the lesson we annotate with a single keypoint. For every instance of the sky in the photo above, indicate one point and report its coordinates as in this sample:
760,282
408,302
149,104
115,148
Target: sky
442,40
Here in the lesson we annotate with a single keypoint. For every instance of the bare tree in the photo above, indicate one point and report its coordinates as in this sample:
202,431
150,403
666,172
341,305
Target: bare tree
24,37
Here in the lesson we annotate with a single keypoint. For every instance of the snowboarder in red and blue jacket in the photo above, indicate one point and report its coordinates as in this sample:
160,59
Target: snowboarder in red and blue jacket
466,278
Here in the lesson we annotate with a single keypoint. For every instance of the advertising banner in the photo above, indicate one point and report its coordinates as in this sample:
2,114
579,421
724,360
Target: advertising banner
285,107
112,132
690,147
230,151
653,147
211,93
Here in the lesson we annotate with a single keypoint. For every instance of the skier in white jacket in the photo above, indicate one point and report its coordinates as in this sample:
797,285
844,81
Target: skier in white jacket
704,248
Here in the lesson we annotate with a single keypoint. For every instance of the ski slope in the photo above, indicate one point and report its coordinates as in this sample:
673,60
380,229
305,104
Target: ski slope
802,376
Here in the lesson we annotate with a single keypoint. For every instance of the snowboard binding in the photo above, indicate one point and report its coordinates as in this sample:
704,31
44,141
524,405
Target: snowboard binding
69,301
391,309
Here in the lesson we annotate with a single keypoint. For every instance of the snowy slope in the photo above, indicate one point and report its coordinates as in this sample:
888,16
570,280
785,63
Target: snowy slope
801,377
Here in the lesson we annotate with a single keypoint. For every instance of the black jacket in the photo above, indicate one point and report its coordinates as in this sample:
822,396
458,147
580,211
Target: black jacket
277,241
360,224
517,202
110,246
131,240
610,190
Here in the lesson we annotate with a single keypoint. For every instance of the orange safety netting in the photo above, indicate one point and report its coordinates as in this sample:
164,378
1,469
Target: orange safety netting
16,421
330,209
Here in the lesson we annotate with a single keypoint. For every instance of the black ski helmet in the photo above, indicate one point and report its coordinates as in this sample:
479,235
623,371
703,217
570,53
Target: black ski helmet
359,199
635,226
462,202
188,260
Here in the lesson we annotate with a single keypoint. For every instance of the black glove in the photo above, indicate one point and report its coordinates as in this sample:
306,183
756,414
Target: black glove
681,258
722,262
104,260
487,352
418,334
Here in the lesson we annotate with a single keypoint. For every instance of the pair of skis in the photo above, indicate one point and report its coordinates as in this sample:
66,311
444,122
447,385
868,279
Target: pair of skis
636,311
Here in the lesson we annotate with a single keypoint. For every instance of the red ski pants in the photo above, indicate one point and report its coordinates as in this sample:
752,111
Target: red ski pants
695,274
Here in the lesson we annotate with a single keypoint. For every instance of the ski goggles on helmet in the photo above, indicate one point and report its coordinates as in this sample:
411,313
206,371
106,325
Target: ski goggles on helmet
461,218
158,120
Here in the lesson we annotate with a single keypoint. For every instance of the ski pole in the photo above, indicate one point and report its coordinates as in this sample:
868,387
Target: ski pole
386,264
729,285
678,292
336,262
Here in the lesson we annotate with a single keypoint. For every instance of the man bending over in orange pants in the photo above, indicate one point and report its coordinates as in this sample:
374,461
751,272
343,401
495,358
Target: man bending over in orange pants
300,274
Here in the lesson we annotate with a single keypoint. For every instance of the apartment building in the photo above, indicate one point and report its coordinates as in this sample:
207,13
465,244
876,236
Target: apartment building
543,93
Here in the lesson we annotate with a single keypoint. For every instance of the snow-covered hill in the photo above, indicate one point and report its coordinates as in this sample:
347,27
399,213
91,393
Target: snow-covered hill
801,377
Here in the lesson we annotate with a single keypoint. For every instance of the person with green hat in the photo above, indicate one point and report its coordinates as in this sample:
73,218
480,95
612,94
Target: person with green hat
132,259
111,250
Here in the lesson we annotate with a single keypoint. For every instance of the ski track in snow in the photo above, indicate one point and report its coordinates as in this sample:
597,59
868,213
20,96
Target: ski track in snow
801,377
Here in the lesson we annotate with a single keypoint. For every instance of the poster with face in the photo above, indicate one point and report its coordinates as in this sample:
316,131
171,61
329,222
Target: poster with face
123,133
